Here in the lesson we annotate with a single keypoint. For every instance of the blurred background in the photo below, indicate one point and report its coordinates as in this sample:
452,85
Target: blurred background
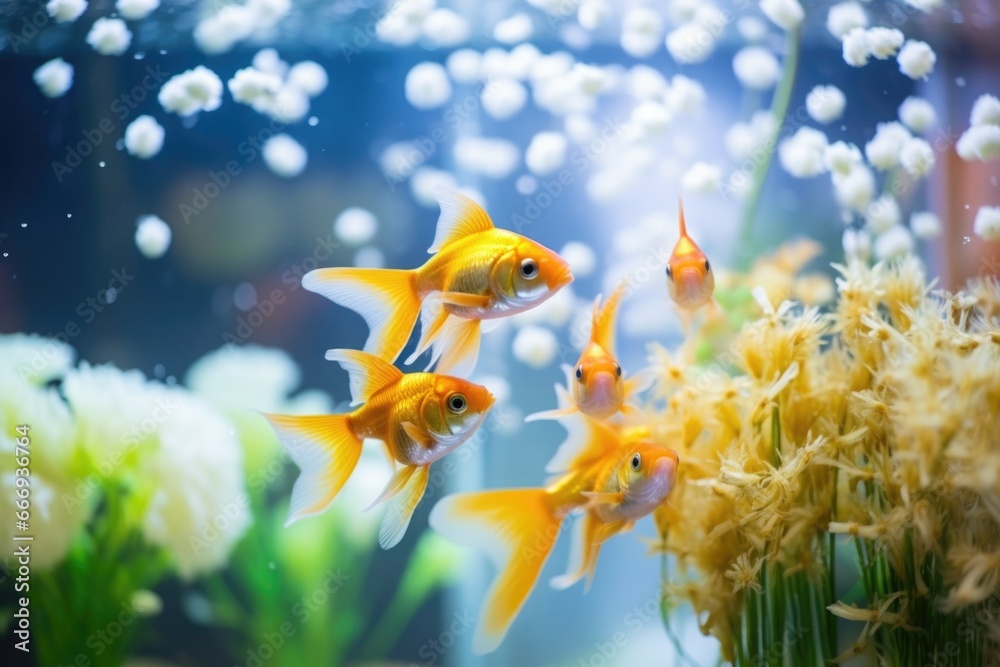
242,231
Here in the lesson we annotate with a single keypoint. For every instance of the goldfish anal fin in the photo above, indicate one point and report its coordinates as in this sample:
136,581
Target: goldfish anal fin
408,486
517,529
326,450
461,216
417,434
387,299
367,372
433,315
583,551
456,349
603,327
465,300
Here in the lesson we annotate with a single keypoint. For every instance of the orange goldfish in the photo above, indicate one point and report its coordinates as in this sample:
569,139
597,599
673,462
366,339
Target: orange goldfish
609,476
689,274
598,385
419,416
478,272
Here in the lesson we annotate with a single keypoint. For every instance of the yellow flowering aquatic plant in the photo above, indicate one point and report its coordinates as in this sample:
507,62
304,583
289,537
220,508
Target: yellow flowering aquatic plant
811,439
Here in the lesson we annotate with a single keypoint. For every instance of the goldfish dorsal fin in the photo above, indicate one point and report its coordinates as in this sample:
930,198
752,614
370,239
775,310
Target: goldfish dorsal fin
603,329
680,219
461,216
367,373
586,438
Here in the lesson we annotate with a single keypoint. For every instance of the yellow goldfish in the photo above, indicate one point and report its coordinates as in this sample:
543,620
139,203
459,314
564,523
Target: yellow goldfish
613,479
689,273
478,272
419,417
598,385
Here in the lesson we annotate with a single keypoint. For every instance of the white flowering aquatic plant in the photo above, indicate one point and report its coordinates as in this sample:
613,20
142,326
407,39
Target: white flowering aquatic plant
130,482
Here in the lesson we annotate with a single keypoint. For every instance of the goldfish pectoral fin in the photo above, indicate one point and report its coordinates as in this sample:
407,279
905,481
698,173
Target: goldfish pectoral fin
461,216
558,413
400,506
457,348
433,315
517,529
639,382
465,300
326,451
492,324
417,434
387,299
595,498
367,373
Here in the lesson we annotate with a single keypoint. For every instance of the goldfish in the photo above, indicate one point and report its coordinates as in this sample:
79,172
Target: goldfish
608,475
420,417
478,272
599,388
689,274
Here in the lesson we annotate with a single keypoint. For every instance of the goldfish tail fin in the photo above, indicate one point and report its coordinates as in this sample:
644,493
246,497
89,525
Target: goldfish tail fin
387,299
517,529
402,495
367,372
326,450
603,324
558,413
456,348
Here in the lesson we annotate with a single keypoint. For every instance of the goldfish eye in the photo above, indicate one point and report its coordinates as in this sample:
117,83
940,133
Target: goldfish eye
529,269
670,273
708,267
636,462
579,373
457,404
618,369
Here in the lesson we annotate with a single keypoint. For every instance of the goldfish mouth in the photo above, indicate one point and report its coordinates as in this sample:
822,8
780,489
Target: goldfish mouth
561,277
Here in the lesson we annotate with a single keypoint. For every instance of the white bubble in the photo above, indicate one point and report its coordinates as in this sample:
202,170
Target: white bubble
268,61
756,68
752,28
526,184
445,28
535,346
54,78
916,59
285,156
884,149
581,258
493,158
144,137
825,103
515,29
503,98
855,47
894,243
244,296
426,182
702,178
198,89
883,43
427,85
135,10
355,226
987,223
917,114
152,236
109,37
464,65
844,17
787,14
917,157
802,154
980,142
985,111
66,11
546,152
883,214
925,225
309,77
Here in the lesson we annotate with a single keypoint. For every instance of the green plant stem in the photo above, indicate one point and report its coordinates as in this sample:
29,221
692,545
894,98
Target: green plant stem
779,109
